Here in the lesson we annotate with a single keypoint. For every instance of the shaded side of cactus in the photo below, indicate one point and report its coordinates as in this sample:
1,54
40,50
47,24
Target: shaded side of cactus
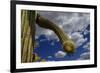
27,35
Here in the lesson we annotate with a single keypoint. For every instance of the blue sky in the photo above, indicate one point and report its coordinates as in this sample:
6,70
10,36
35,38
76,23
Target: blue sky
76,25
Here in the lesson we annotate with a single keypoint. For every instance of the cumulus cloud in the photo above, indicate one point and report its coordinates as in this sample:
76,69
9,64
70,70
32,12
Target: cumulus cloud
87,46
49,56
43,40
52,43
86,32
85,56
60,54
78,39
81,41
76,36
48,33
68,21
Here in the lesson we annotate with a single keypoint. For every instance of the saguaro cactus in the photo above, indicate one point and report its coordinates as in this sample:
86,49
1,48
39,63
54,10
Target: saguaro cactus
27,35
28,20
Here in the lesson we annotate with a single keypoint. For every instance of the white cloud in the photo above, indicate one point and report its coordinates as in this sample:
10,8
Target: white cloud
76,35
73,21
49,56
85,56
81,41
68,21
43,40
60,26
87,46
52,43
48,32
36,37
60,54
86,32
40,31
78,39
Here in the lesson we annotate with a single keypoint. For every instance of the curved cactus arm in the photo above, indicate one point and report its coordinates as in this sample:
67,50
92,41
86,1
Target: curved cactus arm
67,43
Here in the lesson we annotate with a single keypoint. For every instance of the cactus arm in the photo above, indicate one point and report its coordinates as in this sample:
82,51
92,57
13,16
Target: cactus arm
67,43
